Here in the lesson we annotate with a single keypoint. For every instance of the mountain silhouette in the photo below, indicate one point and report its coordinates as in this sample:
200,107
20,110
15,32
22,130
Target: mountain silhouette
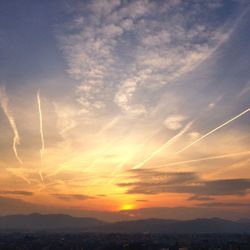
58,222
50,222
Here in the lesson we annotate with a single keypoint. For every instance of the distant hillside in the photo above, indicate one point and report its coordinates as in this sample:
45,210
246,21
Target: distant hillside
244,221
58,222
49,222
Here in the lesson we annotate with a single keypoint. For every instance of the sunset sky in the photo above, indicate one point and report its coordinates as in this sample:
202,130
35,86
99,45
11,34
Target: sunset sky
121,109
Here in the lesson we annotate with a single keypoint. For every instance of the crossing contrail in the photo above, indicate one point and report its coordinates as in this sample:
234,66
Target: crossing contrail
163,146
205,159
5,106
212,131
41,131
18,173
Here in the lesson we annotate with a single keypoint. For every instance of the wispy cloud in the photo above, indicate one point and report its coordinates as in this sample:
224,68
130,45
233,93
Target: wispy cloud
17,192
7,111
225,204
41,132
117,52
72,196
200,198
174,122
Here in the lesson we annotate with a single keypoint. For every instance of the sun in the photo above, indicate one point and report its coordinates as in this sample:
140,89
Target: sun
127,207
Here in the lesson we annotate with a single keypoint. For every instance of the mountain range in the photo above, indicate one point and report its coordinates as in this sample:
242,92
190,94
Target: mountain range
61,222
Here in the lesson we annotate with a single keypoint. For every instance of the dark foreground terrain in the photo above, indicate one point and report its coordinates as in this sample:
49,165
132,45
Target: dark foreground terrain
97,241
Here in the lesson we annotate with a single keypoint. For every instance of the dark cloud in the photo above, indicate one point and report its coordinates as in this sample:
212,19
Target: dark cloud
17,192
141,200
223,187
164,177
225,204
155,182
72,196
158,179
200,198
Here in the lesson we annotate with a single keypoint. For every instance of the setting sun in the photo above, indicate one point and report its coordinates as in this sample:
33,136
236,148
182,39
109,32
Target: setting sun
127,207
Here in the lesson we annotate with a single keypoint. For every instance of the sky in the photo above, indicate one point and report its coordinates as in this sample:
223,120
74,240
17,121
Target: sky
121,109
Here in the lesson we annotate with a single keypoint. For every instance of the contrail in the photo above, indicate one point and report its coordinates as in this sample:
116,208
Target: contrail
205,159
109,125
41,131
58,170
118,168
212,131
236,165
121,164
5,106
41,174
19,174
165,145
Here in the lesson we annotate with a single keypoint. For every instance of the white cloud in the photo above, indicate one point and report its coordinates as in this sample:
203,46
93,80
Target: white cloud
116,50
194,135
66,116
212,104
174,122
104,7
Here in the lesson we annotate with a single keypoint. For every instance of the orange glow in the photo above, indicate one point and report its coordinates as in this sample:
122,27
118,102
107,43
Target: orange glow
127,207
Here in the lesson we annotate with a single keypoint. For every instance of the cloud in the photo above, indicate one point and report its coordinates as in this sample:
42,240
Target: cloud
174,122
194,135
211,105
104,7
17,192
120,51
225,204
72,196
4,102
200,198
156,182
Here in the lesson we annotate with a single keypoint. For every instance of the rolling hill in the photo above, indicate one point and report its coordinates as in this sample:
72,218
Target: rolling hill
59,222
